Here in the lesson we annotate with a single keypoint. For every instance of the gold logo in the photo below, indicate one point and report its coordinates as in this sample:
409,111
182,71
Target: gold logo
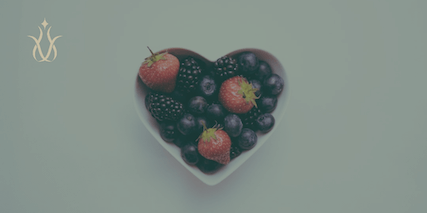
51,46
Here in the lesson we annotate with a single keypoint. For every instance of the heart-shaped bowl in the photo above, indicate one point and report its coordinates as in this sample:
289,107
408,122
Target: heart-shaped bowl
153,127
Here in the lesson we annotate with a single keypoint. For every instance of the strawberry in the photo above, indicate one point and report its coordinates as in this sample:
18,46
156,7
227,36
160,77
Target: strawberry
159,71
214,144
237,95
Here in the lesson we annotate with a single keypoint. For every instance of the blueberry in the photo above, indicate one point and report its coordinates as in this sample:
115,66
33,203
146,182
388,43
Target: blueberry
234,152
233,125
256,84
263,71
187,124
181,141
190,154
267,103
197,105
168,131
216,112
248,63
200,120
273,84
265,122
208,166
247,139
208,88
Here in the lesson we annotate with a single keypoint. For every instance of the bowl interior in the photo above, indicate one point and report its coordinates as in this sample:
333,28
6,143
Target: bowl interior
153,127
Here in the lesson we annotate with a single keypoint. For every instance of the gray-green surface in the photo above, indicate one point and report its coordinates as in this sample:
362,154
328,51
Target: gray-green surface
352,140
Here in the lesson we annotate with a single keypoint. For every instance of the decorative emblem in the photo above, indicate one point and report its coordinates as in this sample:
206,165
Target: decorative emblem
51,44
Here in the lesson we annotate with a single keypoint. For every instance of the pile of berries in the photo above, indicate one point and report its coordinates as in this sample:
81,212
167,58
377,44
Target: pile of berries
212,115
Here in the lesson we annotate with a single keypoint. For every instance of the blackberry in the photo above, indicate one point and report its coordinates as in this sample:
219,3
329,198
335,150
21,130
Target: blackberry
249,118
188,76
225,68
163,107
234,152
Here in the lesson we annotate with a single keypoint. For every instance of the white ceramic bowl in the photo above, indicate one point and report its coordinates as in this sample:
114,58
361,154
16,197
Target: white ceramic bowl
153,127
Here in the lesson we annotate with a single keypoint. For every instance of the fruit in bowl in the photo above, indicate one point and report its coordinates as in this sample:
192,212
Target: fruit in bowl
159,71
216,112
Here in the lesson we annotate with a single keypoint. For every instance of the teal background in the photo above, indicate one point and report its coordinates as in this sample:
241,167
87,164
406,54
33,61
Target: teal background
352,140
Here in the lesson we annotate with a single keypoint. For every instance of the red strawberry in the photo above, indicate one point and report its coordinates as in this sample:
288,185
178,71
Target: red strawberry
215,144
159,72
237,95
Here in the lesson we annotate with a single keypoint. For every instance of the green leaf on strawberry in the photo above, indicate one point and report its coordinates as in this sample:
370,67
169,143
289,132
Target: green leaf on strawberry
248,92
214,144
154,57
237,95
208,133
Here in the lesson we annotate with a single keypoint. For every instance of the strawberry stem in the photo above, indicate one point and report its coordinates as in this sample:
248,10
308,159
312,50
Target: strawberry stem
150,51
204,126
154,57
